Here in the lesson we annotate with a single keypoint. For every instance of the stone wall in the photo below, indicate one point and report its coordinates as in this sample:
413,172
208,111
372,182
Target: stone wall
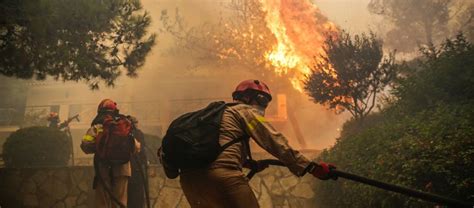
46,187
71,187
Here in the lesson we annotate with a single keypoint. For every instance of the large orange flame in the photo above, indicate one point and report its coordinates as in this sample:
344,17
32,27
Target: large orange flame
300,30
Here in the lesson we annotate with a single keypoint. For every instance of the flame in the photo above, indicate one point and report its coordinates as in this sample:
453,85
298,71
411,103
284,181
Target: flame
300,30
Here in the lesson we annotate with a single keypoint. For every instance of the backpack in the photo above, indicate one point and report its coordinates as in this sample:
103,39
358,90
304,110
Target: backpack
115,144
192,140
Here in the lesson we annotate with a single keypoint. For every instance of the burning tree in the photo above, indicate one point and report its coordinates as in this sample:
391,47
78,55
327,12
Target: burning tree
73,39
239,40
275,39
351,74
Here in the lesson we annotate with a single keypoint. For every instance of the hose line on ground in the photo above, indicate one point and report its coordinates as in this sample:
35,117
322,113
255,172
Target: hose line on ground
382,185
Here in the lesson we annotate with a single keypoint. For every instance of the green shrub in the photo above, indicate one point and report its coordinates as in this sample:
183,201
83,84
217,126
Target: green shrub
37,146
423,140
431,151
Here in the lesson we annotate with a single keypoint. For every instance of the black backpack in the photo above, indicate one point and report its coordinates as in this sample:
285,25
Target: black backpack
192,140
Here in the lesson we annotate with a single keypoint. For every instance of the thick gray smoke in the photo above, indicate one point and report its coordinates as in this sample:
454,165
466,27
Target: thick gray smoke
171,83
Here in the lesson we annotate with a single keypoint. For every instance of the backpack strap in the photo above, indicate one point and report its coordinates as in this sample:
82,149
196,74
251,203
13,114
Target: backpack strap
246,144
228,144
221,106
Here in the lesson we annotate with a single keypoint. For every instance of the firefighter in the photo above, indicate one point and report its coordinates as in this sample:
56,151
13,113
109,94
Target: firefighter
111,179
53,119
223,183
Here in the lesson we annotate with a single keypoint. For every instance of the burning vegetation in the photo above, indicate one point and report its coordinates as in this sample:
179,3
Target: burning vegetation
420,136
300,30
279,36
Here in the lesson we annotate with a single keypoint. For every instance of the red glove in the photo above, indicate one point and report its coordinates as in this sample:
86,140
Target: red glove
323,171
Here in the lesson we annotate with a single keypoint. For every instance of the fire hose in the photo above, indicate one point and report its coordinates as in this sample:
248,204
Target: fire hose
379,184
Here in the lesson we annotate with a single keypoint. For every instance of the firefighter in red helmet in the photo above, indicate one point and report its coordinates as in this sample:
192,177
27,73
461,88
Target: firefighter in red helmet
109,132
53,119
223,183
107,105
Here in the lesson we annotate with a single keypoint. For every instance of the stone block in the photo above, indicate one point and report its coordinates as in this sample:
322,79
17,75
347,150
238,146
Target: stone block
71,201
40,177
288,182
59,205
268,180
278,201
308,178
60,189
30,200
74,191
303,190
277,172
46,201
160,171
152,172
85,185
183,203
169,197
61,174
255,184
29,186
82,199
265,200
155,184
13,182
54,188
276,189
77,175
172,183
301,203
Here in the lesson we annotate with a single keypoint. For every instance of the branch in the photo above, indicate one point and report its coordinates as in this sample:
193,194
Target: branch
373,101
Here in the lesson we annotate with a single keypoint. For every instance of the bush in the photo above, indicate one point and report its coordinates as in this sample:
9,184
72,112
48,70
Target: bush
423,140
430,151
37,146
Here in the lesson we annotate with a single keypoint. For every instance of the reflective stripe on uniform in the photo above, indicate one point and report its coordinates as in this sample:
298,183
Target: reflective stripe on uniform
258,119
99,129
88,138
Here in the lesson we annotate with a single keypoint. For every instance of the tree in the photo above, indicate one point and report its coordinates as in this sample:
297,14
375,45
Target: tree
12,106
352,73
238,40
75,40
444,74
422,22
423,140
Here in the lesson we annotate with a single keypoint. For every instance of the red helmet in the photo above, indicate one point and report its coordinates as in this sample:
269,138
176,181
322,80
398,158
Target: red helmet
53,115
107,105
252,85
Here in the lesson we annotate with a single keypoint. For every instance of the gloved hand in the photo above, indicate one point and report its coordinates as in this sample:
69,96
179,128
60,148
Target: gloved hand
323,171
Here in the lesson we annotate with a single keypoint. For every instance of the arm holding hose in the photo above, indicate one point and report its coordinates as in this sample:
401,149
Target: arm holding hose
277,145
326,171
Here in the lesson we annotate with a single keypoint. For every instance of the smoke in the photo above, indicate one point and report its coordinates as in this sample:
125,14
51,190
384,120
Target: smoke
171,83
